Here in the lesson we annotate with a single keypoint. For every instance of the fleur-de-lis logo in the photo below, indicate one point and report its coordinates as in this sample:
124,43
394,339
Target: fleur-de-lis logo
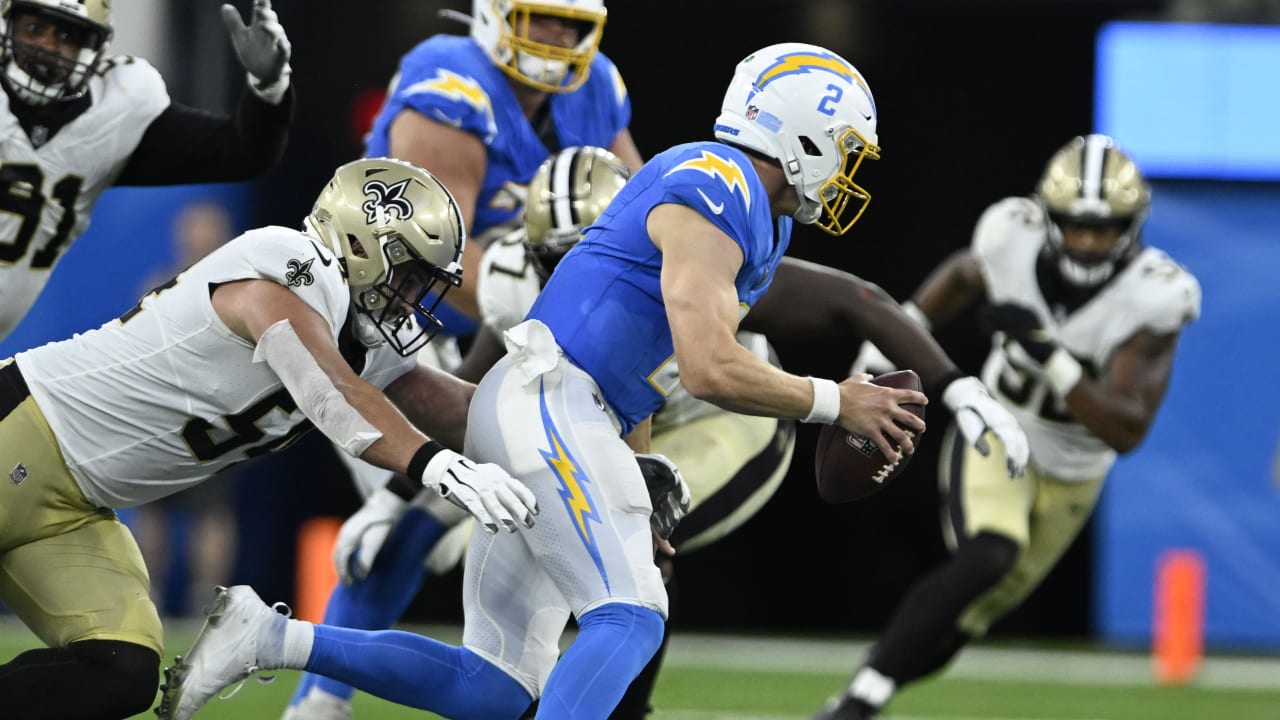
299,273
386,201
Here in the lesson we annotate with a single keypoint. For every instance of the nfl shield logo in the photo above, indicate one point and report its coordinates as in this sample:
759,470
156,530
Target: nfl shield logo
18,474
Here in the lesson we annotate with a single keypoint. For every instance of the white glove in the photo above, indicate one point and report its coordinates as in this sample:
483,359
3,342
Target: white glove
871,360
263,49
486,491
668,492
362,535
976,412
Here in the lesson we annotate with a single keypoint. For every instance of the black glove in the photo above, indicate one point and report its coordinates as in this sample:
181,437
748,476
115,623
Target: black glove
1021,325
667,491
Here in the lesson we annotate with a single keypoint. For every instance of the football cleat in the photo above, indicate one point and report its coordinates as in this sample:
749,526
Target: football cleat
845,708
225,651
319,705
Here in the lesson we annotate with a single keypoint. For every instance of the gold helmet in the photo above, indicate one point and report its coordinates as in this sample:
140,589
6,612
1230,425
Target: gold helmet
398,234
501,27
567,193
40,76
1091,181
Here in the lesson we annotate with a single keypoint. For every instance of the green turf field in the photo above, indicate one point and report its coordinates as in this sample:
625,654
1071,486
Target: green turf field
734,678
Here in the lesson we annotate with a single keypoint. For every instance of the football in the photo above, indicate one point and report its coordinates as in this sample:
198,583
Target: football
849,466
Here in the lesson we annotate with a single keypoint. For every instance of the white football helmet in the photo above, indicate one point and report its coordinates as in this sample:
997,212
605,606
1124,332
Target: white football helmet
812,111
567,193
501,27
398,235
1091,181
40,76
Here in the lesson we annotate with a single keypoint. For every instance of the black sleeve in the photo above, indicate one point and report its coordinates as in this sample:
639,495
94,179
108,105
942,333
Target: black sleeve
185,145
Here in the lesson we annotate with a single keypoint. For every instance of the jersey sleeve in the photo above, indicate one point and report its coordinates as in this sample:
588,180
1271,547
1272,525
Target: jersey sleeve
506,285
443,90
613,93
1170,298
714,186
998,239
297,262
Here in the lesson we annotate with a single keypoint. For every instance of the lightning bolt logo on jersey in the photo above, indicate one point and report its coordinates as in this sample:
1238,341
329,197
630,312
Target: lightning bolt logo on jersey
573,486
450,79
606,293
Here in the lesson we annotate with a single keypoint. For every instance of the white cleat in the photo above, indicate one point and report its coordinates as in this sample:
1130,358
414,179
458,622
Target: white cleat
225,651
319,705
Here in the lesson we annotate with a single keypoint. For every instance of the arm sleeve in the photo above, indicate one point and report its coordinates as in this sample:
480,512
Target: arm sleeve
186,145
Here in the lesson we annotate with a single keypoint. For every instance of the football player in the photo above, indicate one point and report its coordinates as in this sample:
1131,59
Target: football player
481,112
78,122
1084,321
690,243
274,333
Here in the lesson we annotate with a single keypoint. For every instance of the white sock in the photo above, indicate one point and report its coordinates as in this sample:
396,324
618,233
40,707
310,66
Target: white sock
871,687
298,637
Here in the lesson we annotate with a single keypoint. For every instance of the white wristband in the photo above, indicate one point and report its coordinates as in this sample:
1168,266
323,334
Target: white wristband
914,312
826,401
1062,372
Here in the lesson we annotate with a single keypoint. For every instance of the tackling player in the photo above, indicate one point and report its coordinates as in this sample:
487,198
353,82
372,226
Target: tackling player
1085,320
274,333
78,122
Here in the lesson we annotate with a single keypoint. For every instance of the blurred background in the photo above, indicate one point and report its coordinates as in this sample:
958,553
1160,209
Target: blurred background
974,95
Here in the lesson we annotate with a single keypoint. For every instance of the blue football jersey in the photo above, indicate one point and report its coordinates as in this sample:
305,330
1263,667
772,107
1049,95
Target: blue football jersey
604,301
450,79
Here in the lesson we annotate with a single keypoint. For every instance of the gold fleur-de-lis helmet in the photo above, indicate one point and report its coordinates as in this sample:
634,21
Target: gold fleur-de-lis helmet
398,235
567,193
40,76
1090,181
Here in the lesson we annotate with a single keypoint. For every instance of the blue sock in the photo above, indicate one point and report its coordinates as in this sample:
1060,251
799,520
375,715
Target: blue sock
614,643
378,601
418,671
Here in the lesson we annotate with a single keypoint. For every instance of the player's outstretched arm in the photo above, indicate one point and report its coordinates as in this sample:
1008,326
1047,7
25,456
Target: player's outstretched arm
296,342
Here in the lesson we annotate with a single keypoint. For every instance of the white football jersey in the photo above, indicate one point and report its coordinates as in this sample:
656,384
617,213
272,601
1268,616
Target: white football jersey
165,396
1152,293
507,288
47,192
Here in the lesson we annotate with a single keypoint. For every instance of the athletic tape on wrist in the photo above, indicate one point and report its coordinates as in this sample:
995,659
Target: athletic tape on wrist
1062,372
826,401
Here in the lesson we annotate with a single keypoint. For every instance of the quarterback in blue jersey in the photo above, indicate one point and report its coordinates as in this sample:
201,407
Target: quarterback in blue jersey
481,113
680,256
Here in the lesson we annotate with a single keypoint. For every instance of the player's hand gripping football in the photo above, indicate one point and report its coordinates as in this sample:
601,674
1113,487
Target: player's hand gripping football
262,47
876,412
363,534
486,491
976,412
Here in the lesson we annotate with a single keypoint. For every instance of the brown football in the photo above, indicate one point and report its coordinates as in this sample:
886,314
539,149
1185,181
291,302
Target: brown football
849,466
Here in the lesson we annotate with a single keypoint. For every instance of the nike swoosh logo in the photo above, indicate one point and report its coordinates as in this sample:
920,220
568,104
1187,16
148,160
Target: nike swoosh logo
324,259
717,209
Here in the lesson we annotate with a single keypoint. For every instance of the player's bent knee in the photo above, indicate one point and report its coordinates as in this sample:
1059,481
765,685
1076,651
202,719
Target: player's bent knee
121,676
492,693
638,629
988,557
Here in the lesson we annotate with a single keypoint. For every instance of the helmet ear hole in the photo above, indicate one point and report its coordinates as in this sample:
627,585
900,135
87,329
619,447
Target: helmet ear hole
809,146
